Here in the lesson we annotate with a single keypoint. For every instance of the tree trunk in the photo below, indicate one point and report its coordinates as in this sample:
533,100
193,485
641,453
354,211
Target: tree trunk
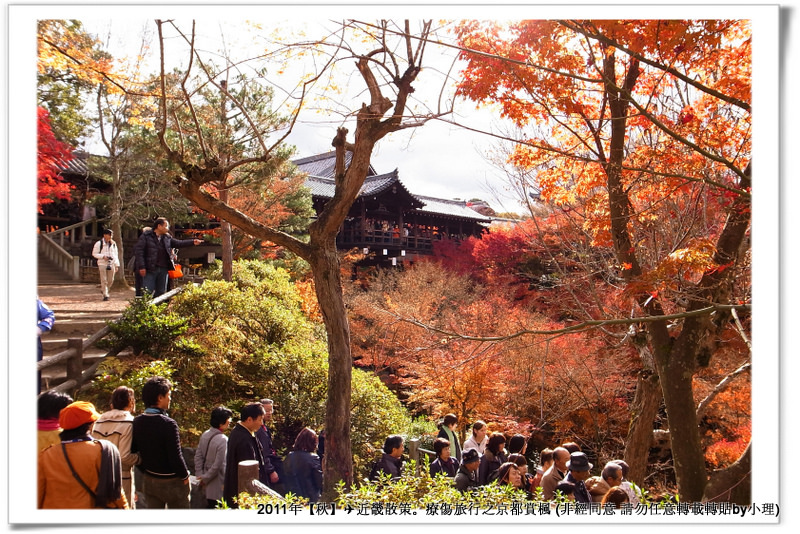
338,460
732,484
640,434
675,369
116,227
227,251
227,240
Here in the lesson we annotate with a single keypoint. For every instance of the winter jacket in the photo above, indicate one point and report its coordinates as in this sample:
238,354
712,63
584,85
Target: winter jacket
449,468
303,474
146,250
550,480
581,493
209,462
489,464
242,445
116,426
102,249
387,464
58,488
465,479
597,488
471,443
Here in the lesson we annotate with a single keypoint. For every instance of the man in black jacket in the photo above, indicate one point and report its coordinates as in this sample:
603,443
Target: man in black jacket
153,259
157,440
242,445
271,471
391,461
467,475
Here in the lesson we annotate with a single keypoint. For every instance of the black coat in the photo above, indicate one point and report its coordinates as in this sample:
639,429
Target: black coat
303,474
489,464
387,464
241,446
271,460
465,480
146,249
449,467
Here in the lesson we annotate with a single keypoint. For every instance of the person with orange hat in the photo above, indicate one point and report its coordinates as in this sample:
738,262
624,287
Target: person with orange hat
80,472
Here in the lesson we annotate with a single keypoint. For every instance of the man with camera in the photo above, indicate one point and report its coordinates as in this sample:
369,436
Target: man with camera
105,252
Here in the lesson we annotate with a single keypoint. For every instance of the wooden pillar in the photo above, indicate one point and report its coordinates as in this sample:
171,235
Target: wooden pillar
413,452
248,471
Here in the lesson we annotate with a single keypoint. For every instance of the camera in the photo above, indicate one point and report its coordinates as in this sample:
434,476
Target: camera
108,267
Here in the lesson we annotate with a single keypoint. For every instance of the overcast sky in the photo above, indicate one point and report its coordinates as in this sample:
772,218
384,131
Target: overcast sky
437,159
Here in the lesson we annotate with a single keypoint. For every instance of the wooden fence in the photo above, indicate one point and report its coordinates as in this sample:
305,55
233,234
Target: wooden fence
73,354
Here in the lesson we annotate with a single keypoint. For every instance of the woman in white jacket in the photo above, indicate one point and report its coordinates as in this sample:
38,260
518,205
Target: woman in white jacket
209,459
105,252
116,426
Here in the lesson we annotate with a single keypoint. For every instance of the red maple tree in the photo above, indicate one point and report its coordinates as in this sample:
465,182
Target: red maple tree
51,156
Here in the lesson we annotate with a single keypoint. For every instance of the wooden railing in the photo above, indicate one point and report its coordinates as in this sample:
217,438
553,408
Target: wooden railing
73,354
415,452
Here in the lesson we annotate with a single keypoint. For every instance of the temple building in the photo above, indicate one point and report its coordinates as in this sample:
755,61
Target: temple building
387,221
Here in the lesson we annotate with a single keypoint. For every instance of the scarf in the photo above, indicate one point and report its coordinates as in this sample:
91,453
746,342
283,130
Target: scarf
47,425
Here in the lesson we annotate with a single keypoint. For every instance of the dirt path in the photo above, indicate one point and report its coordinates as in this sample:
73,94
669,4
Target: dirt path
83,297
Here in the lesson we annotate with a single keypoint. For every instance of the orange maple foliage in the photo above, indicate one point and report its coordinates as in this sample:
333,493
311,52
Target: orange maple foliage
641,130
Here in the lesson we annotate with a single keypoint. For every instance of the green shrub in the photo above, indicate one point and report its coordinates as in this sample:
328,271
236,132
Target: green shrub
248,339
117,371
146,327
419,491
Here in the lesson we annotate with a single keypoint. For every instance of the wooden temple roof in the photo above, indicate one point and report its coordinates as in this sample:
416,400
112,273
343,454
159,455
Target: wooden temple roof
320,181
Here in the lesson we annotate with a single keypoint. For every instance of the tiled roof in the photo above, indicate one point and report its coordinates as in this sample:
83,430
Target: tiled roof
373,185
321,183
451,208
77,165
324,164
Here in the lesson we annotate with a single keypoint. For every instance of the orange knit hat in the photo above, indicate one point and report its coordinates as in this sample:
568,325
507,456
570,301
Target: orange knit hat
77,414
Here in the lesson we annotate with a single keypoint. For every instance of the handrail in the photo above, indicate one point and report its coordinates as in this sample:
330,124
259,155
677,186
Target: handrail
64,260
58,248
74,354
76,225
61,232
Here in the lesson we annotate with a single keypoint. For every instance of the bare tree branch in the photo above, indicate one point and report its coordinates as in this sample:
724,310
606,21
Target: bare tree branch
702,408
578,327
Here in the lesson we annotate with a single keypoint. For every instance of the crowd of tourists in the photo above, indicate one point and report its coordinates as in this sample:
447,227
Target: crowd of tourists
491,459
87,459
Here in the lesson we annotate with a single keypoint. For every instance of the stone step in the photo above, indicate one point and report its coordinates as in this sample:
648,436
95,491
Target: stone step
64,328
49,274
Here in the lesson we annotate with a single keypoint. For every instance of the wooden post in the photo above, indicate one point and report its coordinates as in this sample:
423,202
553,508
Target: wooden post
248,471
75,362
413,452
